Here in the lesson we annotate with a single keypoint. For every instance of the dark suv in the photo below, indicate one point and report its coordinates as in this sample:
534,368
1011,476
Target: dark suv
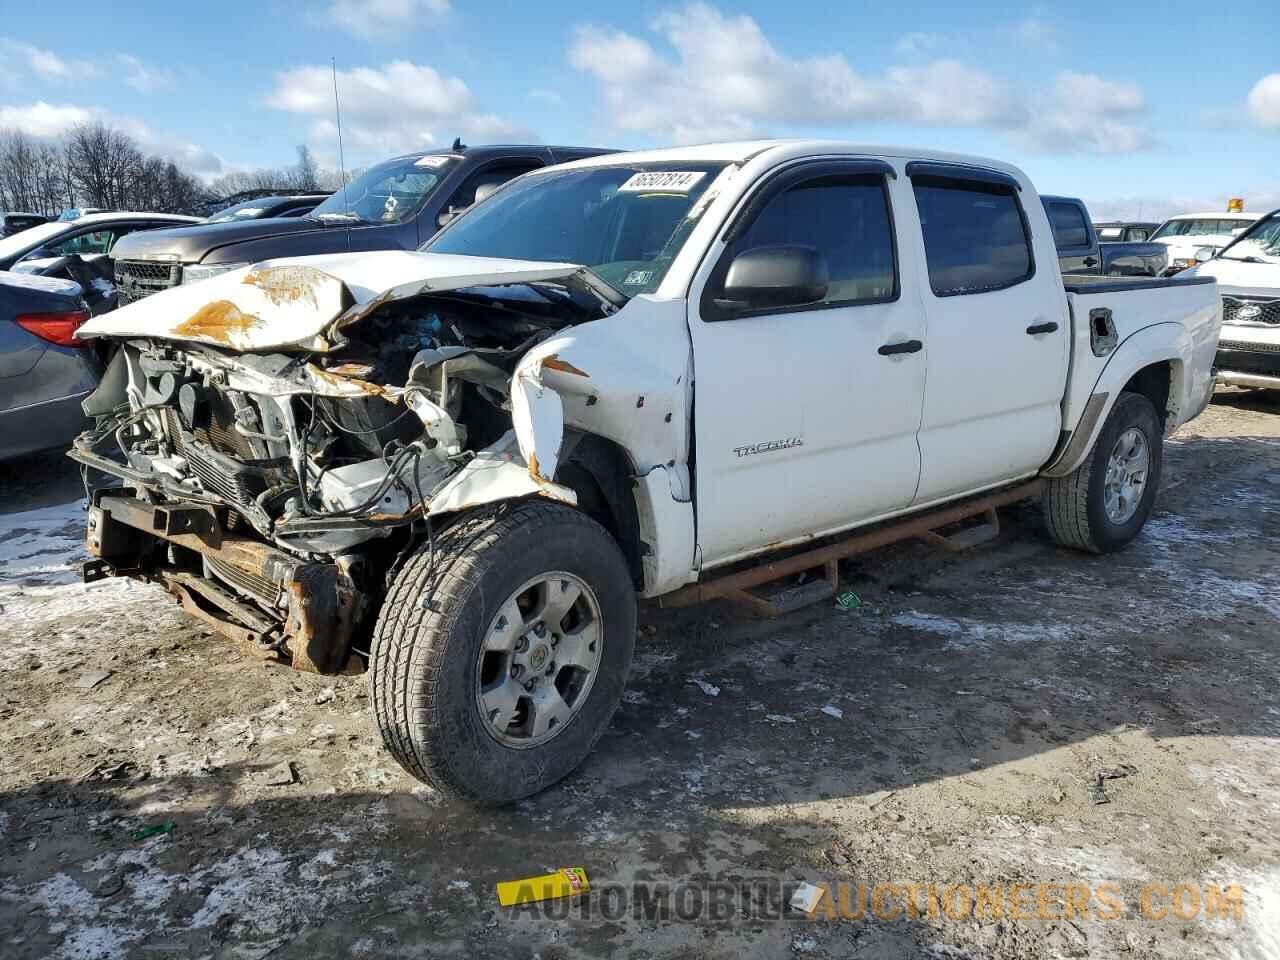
395,205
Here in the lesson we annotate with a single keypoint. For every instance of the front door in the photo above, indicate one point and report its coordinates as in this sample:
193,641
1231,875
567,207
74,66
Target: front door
806,417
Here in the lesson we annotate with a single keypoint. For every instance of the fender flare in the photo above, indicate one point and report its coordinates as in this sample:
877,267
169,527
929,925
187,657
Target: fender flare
1160,343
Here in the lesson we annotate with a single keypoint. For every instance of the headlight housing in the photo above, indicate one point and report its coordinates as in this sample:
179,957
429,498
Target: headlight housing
195,272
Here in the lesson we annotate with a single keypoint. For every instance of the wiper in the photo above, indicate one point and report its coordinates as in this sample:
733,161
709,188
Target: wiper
1248,259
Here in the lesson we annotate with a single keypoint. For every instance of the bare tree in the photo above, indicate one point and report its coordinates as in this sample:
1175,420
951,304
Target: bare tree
306,175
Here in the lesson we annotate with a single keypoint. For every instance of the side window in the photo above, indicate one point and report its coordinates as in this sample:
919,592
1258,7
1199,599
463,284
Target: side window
847,220
99,241
1069,229
975,237
465,195
1139,233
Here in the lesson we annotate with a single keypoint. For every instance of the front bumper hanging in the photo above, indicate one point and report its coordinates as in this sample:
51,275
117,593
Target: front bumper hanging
301,612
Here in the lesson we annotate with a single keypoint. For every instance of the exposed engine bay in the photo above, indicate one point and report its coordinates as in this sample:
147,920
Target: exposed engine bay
272,492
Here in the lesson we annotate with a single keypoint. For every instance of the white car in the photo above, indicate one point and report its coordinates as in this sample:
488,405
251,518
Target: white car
1189,233
636,375
1248,275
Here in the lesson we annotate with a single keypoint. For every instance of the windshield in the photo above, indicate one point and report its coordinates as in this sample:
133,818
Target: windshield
391,192
1261,242
248,210
27,239
626,223
1198,228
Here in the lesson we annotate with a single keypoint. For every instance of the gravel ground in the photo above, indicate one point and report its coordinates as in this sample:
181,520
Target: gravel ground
950,731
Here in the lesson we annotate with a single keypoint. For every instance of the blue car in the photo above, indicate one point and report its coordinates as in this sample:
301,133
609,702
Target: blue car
44,370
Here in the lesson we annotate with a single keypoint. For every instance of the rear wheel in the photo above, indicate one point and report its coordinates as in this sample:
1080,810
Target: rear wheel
493,674
1104,502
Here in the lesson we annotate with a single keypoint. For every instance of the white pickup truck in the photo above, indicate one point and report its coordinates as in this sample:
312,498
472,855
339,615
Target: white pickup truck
638,375
1248,275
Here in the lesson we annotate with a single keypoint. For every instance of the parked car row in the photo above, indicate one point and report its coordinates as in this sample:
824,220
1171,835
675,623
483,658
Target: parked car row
118,258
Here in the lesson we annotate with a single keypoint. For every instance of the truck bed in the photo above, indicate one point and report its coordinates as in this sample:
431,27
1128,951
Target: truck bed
1109,312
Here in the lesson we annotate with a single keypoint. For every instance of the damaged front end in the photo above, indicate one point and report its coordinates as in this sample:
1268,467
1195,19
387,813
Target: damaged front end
274,472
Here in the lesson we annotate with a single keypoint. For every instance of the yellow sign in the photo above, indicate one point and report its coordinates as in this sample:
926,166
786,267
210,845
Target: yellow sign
1235,205
565,882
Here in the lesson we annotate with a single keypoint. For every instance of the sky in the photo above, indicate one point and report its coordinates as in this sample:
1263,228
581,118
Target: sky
1141,110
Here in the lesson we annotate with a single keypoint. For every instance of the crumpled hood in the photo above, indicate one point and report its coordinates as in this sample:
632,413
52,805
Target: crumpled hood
303,302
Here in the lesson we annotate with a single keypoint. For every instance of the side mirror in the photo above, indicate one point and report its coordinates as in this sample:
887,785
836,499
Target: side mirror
1205,254
777,276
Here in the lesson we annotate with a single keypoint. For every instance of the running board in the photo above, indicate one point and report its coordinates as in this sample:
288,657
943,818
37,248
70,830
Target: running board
970,537
785,599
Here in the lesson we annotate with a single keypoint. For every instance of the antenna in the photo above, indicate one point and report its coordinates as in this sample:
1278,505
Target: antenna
342,165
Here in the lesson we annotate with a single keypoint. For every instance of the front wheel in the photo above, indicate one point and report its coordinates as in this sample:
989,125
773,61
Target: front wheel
493,674
1102,504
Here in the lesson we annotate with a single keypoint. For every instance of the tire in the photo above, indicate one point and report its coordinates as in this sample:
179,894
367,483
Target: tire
428,657
1075,506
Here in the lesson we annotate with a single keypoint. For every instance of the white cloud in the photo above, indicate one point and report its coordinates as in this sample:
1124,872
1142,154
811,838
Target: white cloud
723,78
18,61
395,108
1036,32
140,76
49,121
366,18
44,120
1264,102
728,80
1086,113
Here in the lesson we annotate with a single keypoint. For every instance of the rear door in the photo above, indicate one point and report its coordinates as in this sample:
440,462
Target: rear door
803,424
996,333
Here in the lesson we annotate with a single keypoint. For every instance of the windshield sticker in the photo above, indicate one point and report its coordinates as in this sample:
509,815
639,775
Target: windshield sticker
435,163
638,278
662,181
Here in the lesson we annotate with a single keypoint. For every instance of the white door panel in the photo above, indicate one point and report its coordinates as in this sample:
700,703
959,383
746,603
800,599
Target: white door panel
801,424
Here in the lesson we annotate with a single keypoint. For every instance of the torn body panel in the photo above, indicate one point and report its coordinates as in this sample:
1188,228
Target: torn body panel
641,401
340,452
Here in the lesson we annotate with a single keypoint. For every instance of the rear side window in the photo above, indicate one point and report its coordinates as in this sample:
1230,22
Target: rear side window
975,236
846,219
1069,228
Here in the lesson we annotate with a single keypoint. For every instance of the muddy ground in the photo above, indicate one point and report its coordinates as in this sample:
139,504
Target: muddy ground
949,731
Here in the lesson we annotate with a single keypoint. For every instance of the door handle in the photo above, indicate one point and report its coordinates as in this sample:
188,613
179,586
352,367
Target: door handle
906,346
1036,328
1090,261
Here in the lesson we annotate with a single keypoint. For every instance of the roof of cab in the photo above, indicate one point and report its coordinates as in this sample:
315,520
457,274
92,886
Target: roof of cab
130,215
741,151
489,149
1218,215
